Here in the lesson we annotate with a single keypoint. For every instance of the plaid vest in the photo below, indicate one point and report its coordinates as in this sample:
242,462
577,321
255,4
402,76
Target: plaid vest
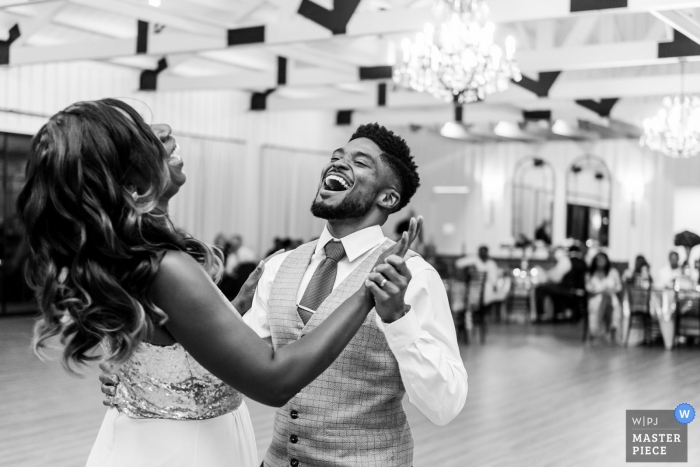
352,414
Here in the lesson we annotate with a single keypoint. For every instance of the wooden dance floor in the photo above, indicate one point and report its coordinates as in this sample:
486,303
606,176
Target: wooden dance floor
537,397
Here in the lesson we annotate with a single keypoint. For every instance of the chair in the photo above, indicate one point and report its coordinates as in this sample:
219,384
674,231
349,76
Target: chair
519,295
577,302
687,314
639,300
474,301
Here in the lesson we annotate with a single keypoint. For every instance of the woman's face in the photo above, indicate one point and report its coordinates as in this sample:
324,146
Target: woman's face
600,262
175,162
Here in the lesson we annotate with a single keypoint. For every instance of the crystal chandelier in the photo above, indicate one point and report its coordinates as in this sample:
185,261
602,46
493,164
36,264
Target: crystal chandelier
457,60
675,129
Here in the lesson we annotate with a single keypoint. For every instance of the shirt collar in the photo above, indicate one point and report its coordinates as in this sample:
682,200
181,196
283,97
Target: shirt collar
356,244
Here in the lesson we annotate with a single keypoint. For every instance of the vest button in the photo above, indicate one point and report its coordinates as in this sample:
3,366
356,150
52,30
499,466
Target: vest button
294,463
293,439
294,414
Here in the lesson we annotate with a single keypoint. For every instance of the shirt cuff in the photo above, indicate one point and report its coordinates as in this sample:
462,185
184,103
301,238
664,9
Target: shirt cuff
402,332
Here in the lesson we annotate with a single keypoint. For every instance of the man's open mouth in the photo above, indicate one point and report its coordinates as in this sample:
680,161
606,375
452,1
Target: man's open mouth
336,182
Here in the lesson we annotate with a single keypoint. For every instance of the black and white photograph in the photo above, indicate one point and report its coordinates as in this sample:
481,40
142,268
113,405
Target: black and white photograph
349,233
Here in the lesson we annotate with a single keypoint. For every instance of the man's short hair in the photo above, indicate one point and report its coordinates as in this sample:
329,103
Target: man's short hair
397,155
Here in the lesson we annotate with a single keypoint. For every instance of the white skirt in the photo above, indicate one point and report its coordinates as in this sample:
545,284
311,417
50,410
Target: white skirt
226,441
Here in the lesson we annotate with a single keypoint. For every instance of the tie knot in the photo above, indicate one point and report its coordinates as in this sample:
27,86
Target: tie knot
334,250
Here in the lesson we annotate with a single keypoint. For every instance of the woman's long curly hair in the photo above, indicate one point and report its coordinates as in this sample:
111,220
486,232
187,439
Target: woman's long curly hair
94,176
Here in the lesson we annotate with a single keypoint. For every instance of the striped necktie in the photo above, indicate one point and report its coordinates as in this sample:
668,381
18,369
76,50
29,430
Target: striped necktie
322,281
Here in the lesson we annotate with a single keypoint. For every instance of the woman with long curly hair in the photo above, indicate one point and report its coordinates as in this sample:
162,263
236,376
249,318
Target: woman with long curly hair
604,309
110,271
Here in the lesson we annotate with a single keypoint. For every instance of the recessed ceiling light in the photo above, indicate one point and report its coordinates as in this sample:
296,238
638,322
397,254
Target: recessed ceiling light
154,3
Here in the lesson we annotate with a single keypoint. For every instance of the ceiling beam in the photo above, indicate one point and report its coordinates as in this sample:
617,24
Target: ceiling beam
625,87
158,44
581,31
622,54
681,22
30,26
10,3
155,15
306,54
562,92
417,116
508,11
575,58
250,81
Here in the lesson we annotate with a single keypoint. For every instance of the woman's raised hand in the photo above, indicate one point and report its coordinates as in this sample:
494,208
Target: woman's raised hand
244,299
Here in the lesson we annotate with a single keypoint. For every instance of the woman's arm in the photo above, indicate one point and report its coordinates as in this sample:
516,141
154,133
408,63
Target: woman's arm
207,326
590,286
616,282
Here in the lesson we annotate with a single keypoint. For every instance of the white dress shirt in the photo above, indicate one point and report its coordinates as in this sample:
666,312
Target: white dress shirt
557,273
667,276
424,341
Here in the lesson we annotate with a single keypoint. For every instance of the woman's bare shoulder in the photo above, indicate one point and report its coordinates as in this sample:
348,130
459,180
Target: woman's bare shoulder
178,267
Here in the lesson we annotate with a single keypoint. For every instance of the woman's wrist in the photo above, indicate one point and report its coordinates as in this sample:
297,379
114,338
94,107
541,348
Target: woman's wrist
366,299
240,305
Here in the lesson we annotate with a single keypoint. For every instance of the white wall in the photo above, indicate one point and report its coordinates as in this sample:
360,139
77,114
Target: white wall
686,209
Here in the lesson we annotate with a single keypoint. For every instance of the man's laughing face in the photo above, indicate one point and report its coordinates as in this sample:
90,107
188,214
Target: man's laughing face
351,181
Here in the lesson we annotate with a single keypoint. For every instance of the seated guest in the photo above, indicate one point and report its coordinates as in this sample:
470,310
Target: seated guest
430,255
238,253
221,242
604,310
226,283
296,243
564,280
641,269
668,274
483,263
240,262
287,244
276,246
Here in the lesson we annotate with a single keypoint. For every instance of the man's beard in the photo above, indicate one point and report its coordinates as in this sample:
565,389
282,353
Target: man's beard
348,208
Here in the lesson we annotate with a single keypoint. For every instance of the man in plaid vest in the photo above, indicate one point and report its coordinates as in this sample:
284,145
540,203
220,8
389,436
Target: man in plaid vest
352,415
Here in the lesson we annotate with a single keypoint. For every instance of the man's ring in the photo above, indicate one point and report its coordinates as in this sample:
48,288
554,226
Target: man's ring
381,286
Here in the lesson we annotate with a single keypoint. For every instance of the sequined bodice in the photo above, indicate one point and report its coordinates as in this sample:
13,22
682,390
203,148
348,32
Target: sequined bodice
166,382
